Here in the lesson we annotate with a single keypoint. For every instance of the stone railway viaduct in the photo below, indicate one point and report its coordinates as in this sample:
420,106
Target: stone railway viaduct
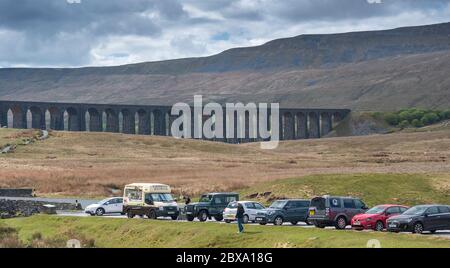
148,120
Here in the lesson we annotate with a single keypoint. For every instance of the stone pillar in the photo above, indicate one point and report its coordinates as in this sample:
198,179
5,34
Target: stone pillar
3,115
144,123
327,124
302,126
288,126
56,120
314,125
20,118
128,122
37,119
95,121
112,121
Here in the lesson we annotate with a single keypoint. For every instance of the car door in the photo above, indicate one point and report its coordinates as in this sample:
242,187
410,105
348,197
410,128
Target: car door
217,205
108,206
250,210
289,211
350,208
390,212
303,209
118,205
432,219
445,217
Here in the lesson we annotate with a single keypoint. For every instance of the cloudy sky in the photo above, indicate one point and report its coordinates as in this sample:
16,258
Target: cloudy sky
72,33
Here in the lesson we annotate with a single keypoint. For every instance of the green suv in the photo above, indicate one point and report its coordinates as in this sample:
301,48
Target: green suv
210,205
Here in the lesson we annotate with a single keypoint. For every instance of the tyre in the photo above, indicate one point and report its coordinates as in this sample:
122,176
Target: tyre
340,223
130,215
152,215
100,212
174,218
122,213
218,218
418,228
92,214
203,216
278,221
263,223
379,226
318,225
294,222
245,220
433,231
227,221
308,222
190,218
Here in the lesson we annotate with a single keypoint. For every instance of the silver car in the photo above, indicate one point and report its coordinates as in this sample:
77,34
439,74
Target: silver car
251,210
107,206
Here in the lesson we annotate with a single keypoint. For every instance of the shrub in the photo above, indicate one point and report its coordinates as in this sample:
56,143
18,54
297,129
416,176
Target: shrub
430,118
403,124
417,123
392,119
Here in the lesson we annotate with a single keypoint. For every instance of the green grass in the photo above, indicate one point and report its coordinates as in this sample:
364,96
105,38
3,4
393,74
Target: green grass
165,234
374,189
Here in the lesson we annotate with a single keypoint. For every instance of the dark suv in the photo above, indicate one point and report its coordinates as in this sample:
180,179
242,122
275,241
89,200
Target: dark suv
418,219
281,211
335,211
210,205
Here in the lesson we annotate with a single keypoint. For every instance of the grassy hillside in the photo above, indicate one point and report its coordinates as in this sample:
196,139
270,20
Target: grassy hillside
374,189
95,164
144,233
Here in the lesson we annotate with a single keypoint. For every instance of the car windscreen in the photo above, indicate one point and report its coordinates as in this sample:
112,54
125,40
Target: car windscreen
318,203
159,197
376,210
419,210
278,204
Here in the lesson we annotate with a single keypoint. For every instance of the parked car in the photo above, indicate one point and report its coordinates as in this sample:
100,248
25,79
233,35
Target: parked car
210,205
150,199
251,209
106,206
335,211
281,211
376,217
419,219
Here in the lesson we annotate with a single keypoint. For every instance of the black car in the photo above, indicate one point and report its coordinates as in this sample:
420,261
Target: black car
281,211
210,205
419,219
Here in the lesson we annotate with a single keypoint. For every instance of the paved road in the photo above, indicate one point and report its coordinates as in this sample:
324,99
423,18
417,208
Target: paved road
84,202
444,234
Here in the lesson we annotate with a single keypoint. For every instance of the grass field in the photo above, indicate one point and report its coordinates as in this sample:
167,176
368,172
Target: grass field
94,164
134,233
374,189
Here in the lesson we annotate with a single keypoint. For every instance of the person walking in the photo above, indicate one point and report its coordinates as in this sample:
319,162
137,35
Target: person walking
240,217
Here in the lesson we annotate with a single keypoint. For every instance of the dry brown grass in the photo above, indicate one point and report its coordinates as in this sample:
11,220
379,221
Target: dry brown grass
91,164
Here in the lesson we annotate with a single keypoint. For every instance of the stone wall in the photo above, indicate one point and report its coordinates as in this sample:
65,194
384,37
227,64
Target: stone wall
16,192
26,208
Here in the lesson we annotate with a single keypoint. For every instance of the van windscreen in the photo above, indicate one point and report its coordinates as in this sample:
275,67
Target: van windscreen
318,203
159,197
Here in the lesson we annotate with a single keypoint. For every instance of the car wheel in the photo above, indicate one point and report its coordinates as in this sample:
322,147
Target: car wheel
262,223
203,216
341,223
227,221
190,218
245,220
278,221
218,218
130,215
321,226
152,215
294,222
122,213
100,212
308,222
174,218
379,226
418,228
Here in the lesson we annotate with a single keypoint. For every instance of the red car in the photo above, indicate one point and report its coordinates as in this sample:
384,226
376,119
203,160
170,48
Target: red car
376,217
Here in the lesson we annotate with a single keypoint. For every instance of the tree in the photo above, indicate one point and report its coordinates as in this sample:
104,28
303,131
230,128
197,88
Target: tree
392,119
430,118
417,123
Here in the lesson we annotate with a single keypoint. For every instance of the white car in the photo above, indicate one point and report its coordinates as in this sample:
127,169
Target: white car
106,206
251,208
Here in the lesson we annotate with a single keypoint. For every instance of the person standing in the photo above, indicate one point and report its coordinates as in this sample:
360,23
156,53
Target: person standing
240,217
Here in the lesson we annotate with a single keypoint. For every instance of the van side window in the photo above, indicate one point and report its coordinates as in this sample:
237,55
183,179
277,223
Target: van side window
402,209
444,209
304,204
250,205
359,204
133,194
393,210
433,210
218,200
349,203
335,202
